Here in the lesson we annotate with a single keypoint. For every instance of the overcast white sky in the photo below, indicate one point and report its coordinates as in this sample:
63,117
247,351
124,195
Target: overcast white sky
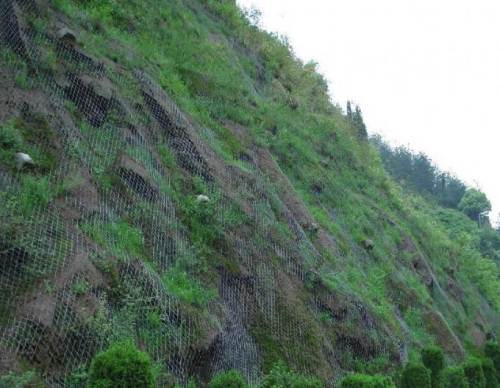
426,73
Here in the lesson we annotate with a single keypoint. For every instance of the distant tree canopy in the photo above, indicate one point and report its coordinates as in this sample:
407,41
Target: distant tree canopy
474,203
356,119
417,172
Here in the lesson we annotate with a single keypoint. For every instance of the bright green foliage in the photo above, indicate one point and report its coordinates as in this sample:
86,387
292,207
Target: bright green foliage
433,359
492,351
366,381
35,193
454,377
121,366
474,372
281,376
489,373
415,375
186,288
229,379
474,203
12,380
120,237
10,137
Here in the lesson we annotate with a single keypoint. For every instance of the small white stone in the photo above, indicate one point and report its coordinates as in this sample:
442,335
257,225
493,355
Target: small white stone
202,198
23,159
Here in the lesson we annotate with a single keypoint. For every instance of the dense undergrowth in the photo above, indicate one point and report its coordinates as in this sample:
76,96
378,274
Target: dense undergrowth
429,277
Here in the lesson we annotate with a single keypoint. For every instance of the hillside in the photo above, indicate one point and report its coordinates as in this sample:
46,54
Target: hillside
193,189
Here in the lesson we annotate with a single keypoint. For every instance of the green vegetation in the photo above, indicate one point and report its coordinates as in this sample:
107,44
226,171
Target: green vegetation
492,351
14,380
122,239
229,379
296,192
474,203
180,284
415,375
489,373
433,359
365,381
454,377
474,372
121,366
282,376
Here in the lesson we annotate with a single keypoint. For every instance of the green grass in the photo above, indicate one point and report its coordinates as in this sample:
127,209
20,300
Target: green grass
188,289
120,238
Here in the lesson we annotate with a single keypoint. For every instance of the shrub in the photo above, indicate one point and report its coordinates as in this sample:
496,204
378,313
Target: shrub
365,381
230,379
121,366
281,376
12,380
454,377
10,137
492,351
489,373
474,373
416,375
433,359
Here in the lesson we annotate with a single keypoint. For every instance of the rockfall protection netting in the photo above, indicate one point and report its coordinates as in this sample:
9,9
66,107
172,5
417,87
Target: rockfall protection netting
72,279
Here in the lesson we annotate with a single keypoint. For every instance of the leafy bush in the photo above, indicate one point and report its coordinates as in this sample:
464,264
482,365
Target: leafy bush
12,380
35,193
10,137
281,376
366,381
230,379
416,375
433,359
474,372
492,351
489,373
185,287
121,366
454,377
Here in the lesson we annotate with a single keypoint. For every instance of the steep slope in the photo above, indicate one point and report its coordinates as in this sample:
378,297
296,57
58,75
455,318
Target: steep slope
306,251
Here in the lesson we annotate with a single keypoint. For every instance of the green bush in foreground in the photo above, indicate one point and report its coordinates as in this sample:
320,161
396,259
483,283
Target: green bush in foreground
433,359
281,376
454,377
365,381
121,366
230,379
474,372
415,375
489,373
492,351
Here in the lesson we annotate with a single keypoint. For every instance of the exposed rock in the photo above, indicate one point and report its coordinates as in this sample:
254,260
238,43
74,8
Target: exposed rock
66,35
23,160
136,177
368,245
11,31
93,97
201,198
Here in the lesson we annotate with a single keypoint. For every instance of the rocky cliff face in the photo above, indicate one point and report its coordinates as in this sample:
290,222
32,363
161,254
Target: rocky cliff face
104,238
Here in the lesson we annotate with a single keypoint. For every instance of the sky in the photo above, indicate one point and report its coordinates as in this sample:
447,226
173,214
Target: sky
425,73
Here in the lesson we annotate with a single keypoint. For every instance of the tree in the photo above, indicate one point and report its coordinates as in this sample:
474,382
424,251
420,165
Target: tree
229,379
415,375
121,366
349,110
454,377
433,359
365,381
474,204
492,351
356,119
474,372
281,376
